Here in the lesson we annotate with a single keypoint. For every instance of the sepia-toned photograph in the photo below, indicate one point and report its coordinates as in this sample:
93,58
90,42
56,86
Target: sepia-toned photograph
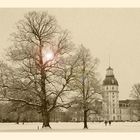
69,70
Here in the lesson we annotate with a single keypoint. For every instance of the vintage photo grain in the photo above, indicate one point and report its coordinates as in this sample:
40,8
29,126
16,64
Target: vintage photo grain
69,70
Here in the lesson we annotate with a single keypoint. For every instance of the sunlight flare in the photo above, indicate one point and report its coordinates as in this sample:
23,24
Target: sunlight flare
48,55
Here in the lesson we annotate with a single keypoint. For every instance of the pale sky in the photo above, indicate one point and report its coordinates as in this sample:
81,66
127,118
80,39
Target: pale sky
114,32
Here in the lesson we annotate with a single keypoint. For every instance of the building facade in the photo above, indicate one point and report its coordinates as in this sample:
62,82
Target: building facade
113,108
129,110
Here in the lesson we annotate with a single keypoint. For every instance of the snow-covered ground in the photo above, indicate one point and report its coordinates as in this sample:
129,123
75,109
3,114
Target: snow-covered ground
72,127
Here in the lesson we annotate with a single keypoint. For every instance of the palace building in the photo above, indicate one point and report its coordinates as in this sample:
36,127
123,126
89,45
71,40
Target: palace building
129,110
113,108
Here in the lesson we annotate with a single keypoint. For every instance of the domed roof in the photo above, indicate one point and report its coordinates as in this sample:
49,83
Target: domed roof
110,80
109,68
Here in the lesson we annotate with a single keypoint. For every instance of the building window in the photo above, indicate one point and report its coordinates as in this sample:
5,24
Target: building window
113,118
106,88
113,111
113,88
107,111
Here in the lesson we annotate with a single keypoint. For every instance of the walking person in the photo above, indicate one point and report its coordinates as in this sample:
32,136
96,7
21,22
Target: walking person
105,123
109,122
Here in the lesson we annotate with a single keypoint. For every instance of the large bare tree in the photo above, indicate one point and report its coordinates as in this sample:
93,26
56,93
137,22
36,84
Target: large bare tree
86,83
43,65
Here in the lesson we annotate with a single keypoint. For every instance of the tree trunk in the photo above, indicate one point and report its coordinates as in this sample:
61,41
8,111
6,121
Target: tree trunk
85,119
18,118
46,119
45,113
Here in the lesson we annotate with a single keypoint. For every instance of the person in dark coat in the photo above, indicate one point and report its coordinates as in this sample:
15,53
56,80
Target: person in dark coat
110,122
105,123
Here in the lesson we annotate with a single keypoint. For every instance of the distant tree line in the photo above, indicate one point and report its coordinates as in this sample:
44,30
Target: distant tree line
9,113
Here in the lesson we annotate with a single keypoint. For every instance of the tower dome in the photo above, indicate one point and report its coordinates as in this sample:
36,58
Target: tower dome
110,78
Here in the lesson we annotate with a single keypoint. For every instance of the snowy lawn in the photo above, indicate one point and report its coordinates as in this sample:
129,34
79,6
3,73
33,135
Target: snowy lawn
72,127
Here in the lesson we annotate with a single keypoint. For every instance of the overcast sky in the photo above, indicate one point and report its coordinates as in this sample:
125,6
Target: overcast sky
114,32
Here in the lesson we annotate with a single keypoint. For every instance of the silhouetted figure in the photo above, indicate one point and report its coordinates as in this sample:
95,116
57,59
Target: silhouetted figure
105,123
109,122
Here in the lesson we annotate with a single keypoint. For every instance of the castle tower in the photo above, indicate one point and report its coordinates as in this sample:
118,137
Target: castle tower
110,96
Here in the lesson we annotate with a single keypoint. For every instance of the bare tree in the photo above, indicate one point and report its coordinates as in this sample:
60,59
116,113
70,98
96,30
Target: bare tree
135,104
86,83
135,92
43,65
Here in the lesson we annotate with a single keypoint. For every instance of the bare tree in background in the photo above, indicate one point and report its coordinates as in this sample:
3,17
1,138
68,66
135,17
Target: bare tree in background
135,104
86,83
43,65
135,92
